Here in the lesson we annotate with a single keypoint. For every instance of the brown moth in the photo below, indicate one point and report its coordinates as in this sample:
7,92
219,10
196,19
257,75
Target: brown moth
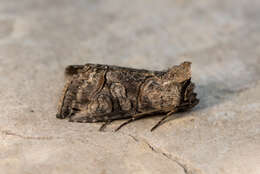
103,93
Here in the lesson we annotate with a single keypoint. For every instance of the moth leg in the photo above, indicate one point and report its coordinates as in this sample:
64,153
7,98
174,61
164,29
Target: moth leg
166,116
179,108
114,116
125,123
136,117
104,125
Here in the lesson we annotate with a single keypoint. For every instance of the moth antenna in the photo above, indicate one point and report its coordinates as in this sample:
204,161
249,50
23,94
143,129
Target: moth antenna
125,123
138,116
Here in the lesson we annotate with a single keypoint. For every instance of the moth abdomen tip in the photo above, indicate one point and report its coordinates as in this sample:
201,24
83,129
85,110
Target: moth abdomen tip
73,69
58,116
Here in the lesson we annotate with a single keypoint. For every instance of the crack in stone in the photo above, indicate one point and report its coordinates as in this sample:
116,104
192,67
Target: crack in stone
9,133
183,166
186,168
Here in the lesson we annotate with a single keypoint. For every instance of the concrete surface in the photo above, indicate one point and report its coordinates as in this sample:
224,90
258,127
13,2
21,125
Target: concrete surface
38,39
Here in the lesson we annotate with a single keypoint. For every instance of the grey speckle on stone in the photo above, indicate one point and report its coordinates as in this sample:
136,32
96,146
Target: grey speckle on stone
38,39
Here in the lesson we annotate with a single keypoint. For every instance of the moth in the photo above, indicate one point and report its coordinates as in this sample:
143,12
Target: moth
104,93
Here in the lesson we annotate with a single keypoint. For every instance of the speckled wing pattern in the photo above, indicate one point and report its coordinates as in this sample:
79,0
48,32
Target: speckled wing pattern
103,93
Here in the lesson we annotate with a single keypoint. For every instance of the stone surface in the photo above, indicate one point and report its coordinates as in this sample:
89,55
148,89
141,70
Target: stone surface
38,39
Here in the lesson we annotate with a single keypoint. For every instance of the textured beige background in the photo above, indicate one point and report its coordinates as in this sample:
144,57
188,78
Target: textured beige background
39,38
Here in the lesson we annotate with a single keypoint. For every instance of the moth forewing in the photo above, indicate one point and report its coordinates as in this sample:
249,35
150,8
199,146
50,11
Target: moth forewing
103,93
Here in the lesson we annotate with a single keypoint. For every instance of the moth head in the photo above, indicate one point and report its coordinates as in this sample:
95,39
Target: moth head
180,73
188,95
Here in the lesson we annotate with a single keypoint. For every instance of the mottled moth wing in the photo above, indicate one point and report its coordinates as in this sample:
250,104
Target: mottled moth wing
102,93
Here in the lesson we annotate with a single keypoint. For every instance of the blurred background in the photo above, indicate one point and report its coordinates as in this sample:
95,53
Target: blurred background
39,38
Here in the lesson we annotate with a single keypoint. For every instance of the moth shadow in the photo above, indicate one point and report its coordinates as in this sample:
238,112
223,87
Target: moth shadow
213,94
